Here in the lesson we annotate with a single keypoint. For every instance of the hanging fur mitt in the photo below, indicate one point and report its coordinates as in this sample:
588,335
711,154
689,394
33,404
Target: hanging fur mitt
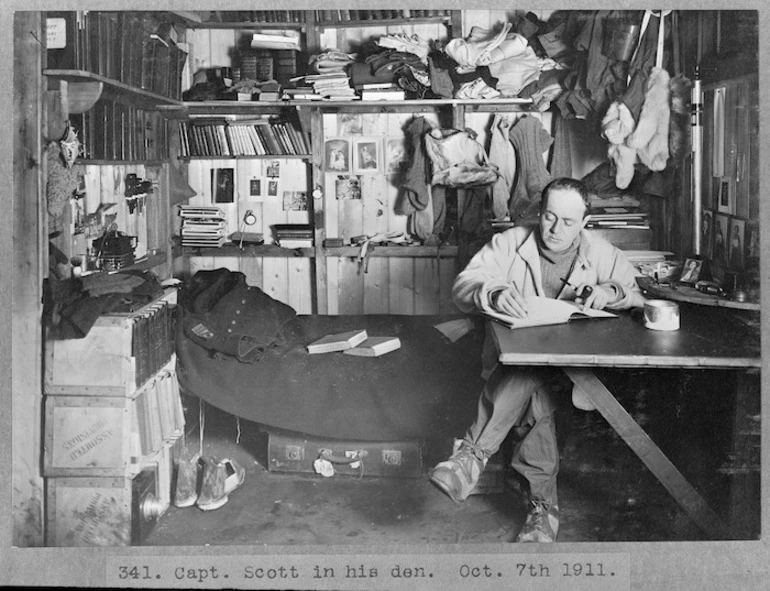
617,124
679,129
650,137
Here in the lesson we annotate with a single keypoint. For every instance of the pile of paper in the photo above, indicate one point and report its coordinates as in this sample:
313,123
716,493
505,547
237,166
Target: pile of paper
202,226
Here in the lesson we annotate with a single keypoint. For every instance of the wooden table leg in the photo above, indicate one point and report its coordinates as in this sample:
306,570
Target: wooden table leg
644,447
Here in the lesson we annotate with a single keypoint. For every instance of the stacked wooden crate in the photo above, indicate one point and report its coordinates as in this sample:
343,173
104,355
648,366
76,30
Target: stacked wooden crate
113,420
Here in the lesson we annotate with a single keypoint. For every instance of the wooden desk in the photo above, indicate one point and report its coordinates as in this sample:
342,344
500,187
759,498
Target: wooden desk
708,339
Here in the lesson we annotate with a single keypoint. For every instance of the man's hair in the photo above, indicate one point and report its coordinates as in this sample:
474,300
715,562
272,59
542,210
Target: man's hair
567,183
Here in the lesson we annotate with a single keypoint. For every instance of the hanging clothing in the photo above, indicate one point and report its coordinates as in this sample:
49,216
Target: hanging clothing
502,155
530,140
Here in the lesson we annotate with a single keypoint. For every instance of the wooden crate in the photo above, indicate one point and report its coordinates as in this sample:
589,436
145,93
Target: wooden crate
111,435
105,362
88,511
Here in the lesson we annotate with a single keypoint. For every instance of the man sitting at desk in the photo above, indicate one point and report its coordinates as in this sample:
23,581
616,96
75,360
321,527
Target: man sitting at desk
556,260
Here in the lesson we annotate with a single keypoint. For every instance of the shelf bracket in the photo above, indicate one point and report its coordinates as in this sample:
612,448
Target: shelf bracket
80,96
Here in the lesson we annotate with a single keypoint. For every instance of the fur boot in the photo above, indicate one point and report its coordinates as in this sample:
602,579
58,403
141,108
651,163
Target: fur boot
650,137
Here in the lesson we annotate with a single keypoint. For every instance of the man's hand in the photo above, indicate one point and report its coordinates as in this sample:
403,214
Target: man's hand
509,301
598,298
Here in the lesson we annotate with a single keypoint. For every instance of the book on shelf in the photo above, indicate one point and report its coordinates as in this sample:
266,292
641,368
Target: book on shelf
383,95
374,347
337,342
547,311
295,242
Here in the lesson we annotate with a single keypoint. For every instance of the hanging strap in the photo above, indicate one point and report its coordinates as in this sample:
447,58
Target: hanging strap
661,37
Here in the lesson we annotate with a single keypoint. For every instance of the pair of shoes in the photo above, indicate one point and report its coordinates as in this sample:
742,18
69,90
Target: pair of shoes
458,475
219,480
542,524
214,479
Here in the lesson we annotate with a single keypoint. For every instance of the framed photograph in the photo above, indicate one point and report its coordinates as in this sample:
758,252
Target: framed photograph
255,187
294,201
350,124
223,184
707,234
272,188
735,244
752,240
348,187
395,155
273,169
719,258
337,155
367,156
691,271
726,195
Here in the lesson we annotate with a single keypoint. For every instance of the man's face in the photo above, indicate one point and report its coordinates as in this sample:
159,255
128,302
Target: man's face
562,219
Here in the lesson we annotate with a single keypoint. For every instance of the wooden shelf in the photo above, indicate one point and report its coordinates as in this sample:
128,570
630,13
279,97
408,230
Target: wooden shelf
249,157
684,293
449,251
111,89
248,250
386,22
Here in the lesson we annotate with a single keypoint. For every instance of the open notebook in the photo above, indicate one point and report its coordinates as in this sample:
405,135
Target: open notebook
546,311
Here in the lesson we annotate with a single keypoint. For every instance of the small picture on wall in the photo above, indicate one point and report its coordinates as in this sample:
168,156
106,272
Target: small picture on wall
691,271
274,169
367,156
222,184
350,124
272,188
337,154
294,201
255,187
752,240
725,203
395,155
348,187
735,244
707,234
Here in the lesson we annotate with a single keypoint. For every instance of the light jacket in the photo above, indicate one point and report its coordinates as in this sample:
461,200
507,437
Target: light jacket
512,257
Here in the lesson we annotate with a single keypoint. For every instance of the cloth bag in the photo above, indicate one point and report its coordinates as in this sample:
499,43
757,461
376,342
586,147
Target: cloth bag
458,159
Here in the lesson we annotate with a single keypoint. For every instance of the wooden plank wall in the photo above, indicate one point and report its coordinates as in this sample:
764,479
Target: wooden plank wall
29,265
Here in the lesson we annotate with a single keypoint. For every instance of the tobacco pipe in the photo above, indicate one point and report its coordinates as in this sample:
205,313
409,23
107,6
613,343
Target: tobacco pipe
586,291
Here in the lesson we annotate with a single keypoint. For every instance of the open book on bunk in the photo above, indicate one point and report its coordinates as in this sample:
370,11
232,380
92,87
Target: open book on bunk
546,311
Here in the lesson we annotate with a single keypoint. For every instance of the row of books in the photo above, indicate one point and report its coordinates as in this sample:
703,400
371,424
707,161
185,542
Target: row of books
152,339
256,16
158,415
256,137
136,48
334,16
202,226
111,130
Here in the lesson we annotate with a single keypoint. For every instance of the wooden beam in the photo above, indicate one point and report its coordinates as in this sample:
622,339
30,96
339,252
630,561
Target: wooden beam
29,262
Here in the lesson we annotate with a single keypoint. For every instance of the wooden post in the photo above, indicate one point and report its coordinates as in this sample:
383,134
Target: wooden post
29,263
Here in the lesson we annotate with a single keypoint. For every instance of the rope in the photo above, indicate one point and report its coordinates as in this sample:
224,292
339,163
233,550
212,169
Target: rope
238,427
201,421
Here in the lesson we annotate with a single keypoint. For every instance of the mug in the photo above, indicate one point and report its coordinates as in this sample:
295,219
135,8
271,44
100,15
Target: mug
661,315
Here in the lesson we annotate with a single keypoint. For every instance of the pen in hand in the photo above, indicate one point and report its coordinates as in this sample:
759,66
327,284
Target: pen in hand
587,290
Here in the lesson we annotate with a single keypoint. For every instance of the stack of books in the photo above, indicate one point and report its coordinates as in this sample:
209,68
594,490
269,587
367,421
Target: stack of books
618,217
333,86
294,235
202,226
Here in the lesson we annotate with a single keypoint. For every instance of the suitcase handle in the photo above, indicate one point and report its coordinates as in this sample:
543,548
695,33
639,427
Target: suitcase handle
328,455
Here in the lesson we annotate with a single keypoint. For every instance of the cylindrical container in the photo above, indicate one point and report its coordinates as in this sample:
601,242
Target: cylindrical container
661,315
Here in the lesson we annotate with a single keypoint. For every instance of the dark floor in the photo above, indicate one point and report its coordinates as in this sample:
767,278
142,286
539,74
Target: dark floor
606,493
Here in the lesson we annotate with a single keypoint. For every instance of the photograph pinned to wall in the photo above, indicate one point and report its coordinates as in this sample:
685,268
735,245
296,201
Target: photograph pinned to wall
707,234
255,187
691,271
735,244
295,201
719,259
350,124
752,240
395,155
337,155
348,187
223,184
367,156
273,170
726,195
272,188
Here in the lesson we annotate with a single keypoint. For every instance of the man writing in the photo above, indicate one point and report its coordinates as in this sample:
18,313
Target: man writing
556,260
